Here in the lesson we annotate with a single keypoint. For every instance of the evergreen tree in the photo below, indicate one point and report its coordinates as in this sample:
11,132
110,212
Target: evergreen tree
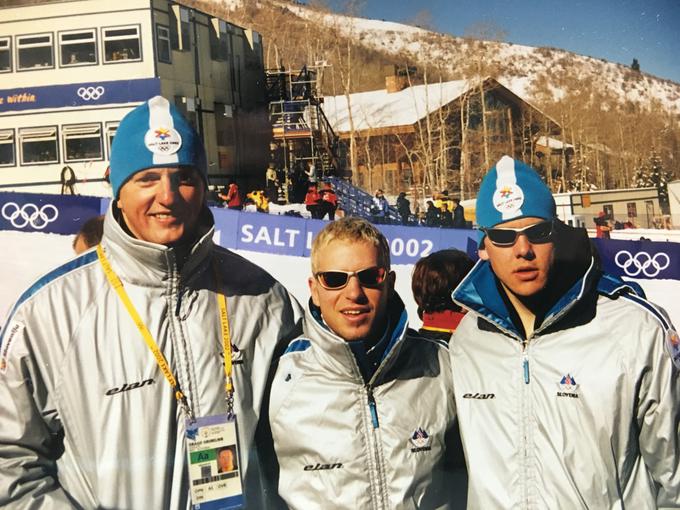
635,66
659,178
642,179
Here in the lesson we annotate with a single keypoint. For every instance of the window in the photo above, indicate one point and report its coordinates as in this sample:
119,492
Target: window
77,48
632,209
163,44
39,145
35,51
111,128
7,147
5,55
83,142
121,44
219,37
180,34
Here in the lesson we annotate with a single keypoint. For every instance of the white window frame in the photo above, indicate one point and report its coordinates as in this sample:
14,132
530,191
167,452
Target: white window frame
166,38
39,134
109,133
78,131
6,45
7,137
90,36
106,39
20,46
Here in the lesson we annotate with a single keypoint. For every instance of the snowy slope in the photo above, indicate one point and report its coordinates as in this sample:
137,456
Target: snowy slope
519,67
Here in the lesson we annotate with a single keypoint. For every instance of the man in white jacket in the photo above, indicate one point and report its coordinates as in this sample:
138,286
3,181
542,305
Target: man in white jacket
566,379
361,407
125,371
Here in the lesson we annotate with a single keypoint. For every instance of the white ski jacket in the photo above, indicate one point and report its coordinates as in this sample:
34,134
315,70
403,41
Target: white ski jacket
342,443
87,419
586,414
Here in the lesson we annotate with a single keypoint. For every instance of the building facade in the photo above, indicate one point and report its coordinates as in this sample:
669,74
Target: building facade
70,70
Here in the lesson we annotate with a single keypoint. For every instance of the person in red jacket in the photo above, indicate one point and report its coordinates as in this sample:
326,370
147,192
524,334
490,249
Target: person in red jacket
312,201
232,197
329,202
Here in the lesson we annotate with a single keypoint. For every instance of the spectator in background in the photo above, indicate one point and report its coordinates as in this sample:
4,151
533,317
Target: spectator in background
431,215
434,278
311,173
271,183
602,226
259,199
458,214
312,201
329,201
232,197
403,208
89,235
379,207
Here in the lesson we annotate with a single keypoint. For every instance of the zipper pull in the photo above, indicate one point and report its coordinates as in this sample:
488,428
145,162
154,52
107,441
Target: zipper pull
178,305
525,365
372,407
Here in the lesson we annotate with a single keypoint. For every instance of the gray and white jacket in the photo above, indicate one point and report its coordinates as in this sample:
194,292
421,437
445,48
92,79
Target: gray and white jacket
345,443
585,414
87,419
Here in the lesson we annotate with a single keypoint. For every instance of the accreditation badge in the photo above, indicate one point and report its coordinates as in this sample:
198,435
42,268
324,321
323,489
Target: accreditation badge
214,463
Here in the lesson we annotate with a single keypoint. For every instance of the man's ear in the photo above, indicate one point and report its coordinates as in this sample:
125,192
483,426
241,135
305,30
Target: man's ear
314,290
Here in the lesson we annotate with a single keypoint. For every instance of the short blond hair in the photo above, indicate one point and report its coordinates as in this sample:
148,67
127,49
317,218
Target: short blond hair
351,228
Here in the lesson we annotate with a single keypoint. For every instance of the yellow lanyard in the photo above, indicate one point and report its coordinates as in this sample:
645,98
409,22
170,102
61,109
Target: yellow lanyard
117,285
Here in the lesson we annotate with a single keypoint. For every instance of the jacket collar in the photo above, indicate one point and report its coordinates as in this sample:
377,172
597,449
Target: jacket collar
336,354
479,293
149,264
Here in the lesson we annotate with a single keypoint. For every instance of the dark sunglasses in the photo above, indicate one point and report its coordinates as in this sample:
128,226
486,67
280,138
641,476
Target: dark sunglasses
336,280
536,234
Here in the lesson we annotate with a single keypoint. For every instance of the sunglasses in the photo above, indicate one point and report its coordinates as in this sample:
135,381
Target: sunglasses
536,234
336,280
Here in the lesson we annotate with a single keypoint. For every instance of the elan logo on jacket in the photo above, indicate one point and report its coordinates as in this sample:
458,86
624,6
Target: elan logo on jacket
128,387
479,396
322,467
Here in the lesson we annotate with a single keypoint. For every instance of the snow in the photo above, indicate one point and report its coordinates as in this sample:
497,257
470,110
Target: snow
379,108
29,255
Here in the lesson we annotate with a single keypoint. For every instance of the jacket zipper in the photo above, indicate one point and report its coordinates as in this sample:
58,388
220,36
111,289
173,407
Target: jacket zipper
371,407
374,445
524,395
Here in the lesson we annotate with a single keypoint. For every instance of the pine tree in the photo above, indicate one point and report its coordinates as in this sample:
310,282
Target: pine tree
642,179
635,66
659,179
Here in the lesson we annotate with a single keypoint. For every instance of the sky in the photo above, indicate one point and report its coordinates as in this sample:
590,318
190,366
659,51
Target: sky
614,30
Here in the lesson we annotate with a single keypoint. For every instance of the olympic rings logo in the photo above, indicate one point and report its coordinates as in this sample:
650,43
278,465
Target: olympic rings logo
91,93
29,214
642,263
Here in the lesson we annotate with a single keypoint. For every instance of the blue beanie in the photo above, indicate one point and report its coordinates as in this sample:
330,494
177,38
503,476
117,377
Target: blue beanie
512,190
154,135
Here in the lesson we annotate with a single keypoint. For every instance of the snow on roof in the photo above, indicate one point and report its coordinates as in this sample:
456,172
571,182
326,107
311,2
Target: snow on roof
380,109
552,143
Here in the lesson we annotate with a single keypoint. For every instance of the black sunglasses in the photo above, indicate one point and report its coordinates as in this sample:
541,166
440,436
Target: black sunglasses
536,234
336,280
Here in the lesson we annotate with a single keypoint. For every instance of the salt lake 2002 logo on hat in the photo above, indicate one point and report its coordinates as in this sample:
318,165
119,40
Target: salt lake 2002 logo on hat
163,140
508,198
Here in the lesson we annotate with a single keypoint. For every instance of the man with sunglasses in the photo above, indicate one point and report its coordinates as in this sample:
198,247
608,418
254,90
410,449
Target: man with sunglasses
566,379
361,407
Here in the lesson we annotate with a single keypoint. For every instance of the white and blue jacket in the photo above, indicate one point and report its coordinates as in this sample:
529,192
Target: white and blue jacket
343,442
583,414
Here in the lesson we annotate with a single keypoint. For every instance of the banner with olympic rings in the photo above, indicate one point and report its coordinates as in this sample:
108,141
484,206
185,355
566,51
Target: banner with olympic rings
640,259
65,214
35,212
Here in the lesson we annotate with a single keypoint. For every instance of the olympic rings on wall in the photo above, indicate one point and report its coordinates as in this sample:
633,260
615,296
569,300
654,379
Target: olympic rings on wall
642,263
29,214
91,93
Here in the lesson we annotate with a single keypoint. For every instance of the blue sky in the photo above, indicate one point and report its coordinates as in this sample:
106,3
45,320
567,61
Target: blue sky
615,30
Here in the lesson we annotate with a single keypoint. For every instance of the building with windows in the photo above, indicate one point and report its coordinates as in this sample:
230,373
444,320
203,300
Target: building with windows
70,70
